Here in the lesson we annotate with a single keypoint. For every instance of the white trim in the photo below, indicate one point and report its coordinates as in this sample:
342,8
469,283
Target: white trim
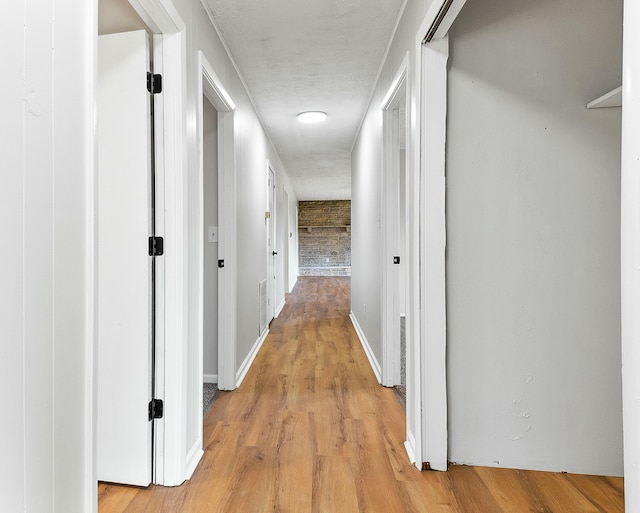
272,242
433,108
410,448
413,373
227,250
212,87
280,307
248,361
432,15
159,15
193,458
375,366
210,378
170,45
630,253
286,246
390,201
90,427
399,81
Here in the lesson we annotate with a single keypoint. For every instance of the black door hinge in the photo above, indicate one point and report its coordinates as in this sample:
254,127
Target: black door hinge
154,83
156,409
220,264
156,246
396,259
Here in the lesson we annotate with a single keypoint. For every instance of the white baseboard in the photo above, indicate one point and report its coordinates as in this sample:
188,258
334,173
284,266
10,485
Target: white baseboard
209,378
377,369
193,458
280,307
410,447
246,364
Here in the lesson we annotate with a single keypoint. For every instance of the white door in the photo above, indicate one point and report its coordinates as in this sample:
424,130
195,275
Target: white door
124,437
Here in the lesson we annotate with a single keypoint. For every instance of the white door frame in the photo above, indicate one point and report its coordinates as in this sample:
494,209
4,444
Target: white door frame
169,49
271,242
287,240
426,373
391,364
211,86
630,253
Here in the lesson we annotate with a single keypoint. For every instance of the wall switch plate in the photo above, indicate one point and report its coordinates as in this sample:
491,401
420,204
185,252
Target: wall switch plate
212,234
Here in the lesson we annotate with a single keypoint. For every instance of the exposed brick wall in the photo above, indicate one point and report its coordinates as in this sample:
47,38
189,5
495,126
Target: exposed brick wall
329,237
324,213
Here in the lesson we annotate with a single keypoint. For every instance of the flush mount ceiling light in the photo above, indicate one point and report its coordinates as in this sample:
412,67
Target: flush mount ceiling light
312,116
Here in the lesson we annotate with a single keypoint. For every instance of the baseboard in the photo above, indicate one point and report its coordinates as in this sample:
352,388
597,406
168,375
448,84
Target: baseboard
246,364
209,378
410,447
193,458
377,369
280,307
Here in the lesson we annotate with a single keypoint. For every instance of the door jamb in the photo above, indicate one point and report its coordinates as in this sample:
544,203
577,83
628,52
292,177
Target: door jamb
171,330
271,246
428,352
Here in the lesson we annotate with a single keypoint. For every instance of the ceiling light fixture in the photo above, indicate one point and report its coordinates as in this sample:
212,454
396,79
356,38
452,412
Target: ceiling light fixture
312,116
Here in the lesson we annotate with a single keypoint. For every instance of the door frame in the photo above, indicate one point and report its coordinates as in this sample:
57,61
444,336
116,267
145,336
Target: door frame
630,253
169,46
211,86
391,364
287,241
427,431
272,243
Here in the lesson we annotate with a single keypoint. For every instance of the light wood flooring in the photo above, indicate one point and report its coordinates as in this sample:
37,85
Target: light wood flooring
311,431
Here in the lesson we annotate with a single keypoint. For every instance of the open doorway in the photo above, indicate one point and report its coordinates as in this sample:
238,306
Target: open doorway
165,29
210,253
394,287
217,229
130,285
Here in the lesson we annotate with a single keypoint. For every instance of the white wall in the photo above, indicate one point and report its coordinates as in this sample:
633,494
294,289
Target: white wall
533,181
46,140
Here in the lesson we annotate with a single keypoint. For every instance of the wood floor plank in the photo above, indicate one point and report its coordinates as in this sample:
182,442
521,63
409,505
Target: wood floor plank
311,431
511,490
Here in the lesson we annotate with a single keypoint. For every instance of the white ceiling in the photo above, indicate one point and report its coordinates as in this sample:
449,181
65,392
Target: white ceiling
299,55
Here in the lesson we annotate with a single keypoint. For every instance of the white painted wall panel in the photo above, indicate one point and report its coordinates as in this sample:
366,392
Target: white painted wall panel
533,237
46,136
12,431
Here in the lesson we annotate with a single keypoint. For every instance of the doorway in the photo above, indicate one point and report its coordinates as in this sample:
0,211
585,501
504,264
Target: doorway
272,246
210,253
216,235
394,287
129,413
165,29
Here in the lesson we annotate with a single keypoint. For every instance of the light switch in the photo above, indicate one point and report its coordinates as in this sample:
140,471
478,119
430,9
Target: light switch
212,234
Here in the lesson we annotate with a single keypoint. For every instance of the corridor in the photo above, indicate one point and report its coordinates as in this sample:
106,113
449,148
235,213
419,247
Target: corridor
311,431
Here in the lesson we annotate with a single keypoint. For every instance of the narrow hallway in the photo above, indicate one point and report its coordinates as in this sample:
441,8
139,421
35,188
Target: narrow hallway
310,430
